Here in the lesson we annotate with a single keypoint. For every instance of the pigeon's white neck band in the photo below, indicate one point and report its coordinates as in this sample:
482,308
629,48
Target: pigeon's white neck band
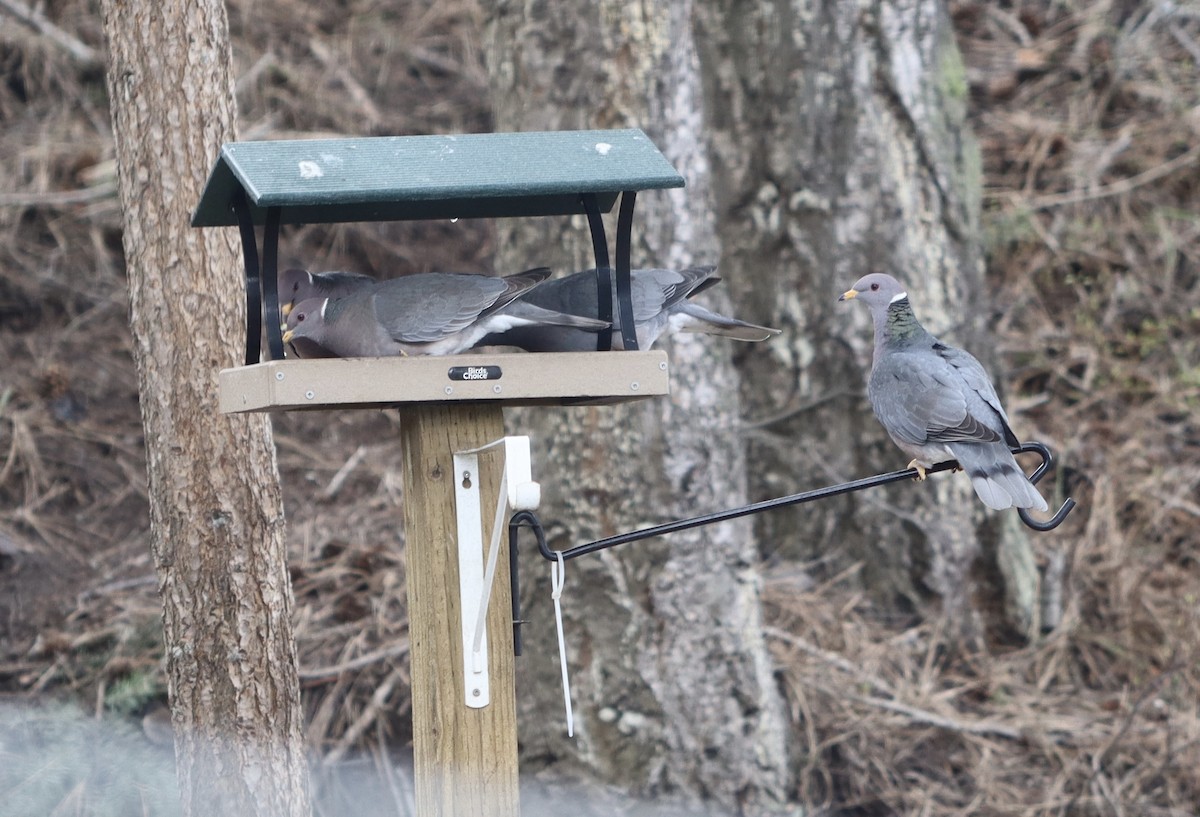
899,296
324,304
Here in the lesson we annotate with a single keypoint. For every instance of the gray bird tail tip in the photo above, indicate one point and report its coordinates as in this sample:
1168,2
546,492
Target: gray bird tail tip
1039,503
549,317
1000,490
691,317
530,277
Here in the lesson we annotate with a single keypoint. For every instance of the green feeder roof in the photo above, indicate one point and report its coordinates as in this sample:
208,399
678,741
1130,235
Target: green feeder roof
400,178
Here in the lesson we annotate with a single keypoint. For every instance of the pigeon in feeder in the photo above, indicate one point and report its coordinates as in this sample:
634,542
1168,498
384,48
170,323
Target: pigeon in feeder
296,285
660,304
434,313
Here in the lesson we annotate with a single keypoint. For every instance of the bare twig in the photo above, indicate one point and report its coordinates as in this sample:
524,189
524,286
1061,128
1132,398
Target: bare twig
365,719
58,198
792,410
1100,758
1185,40
1116,188
80,51
833,659
366,659
941,722
113,587
339,479
913,713
353,87
267,60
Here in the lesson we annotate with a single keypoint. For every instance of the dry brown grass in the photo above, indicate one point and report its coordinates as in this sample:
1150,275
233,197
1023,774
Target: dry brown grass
1087,114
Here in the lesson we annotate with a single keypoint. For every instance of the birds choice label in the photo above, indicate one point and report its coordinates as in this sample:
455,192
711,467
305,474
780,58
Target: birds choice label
475,373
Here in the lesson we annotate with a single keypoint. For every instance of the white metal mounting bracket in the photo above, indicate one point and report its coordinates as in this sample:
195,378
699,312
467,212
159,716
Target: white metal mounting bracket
518,491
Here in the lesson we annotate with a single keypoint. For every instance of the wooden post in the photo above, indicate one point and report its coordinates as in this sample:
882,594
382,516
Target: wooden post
465,759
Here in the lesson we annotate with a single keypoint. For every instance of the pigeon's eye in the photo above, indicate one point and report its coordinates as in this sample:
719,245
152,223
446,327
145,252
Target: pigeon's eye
874,287
300,316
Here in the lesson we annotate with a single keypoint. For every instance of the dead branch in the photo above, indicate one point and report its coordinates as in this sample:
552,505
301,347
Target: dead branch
366,659
81,52
833,659
1116,188
364,720
982,728
353,87
58,198
339,479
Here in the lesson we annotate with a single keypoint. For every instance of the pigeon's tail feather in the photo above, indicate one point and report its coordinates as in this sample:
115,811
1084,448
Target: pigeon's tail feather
996,477
549,317
690,317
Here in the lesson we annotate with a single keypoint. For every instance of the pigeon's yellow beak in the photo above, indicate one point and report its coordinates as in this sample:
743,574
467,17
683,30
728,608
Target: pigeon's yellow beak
286,309
288,335
849,295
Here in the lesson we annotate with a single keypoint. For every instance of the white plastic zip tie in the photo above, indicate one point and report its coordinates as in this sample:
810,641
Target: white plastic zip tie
558,577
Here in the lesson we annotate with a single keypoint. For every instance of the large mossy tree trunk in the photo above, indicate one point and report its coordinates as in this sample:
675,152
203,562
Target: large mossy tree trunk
673,685
216,511
838,145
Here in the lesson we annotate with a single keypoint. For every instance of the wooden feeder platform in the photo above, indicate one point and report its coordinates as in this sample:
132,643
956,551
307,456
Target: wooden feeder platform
520,379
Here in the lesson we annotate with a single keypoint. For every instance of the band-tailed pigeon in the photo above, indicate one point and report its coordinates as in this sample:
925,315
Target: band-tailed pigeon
660,303
433,313
937,402
296,285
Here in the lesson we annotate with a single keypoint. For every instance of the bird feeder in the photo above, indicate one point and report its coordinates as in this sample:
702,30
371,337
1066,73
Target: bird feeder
464,733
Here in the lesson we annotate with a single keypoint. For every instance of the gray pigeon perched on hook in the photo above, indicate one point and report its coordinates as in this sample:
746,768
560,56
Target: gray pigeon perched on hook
433,313
937,402
660,303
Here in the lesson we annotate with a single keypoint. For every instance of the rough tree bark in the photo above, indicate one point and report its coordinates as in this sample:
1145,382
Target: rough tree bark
838,145
673,684
215,507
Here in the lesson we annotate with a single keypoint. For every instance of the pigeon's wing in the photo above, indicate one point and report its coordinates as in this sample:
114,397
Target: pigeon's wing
519,285
922,399
428,307
655,291
976,378
574,294
338,284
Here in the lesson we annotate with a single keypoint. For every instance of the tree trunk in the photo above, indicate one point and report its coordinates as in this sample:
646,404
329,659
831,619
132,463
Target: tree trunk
673,685
838,146
215,506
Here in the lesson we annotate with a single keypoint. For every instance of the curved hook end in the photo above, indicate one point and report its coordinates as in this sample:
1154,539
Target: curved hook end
1043,451
1053,522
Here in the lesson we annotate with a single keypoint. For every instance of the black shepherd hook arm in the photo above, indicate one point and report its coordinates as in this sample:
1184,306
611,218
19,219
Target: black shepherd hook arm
1045,465
531,520
810,496
820,493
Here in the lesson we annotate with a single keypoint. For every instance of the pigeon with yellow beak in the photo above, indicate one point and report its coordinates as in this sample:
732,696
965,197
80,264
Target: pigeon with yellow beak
937,402
433,313
296,285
